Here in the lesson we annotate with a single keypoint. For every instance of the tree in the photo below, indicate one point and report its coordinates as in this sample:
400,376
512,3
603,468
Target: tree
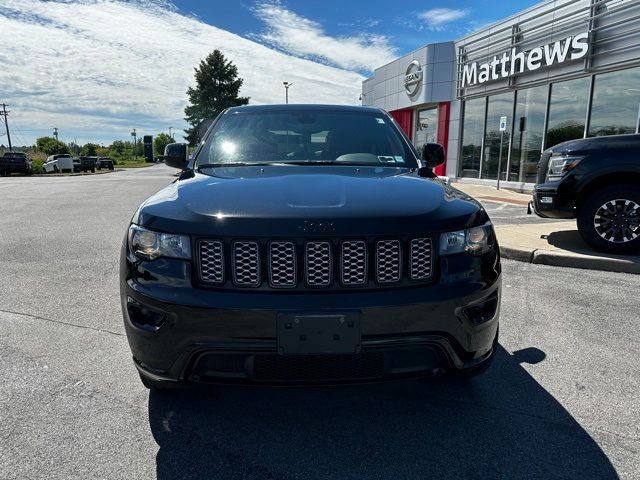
118,146
51,146
89,150
161,141
217,87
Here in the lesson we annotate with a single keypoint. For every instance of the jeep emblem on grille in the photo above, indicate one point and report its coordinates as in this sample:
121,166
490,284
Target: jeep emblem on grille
317,227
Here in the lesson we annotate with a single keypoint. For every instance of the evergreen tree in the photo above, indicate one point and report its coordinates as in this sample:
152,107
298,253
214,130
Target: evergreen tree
217,87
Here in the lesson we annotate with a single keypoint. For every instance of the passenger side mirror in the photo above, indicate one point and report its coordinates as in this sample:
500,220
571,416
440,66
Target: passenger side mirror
175,155
432,155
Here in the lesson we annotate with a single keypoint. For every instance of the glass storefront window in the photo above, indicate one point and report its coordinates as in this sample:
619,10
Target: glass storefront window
616,99
472,132
498,106
426,127
567,111
528,132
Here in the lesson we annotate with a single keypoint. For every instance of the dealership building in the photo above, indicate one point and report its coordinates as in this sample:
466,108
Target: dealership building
499,96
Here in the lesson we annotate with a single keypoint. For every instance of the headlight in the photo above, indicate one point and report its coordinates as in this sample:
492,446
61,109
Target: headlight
475,240
559,166
149,245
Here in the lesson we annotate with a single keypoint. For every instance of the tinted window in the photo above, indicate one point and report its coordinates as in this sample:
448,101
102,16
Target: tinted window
357,138
614,109
473,130
567,111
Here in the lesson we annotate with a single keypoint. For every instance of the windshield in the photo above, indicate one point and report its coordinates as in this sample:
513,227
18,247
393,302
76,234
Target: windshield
305,137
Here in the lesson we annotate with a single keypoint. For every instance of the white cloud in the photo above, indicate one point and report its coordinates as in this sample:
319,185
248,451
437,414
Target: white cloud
97,68
436,18
305,38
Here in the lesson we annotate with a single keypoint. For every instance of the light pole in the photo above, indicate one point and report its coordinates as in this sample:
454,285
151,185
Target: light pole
171,134
135,144
286,91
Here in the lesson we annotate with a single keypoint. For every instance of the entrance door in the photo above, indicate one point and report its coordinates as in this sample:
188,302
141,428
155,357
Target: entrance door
426,127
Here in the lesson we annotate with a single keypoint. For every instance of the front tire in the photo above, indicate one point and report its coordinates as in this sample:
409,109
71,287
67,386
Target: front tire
609,219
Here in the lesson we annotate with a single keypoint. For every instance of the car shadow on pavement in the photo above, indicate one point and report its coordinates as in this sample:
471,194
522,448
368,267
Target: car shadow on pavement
502,424
570,240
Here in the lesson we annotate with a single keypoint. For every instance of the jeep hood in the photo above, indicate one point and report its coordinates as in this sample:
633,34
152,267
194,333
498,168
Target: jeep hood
304,201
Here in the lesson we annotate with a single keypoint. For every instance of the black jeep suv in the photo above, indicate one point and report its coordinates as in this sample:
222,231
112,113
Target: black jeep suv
15,162
597,181
307,244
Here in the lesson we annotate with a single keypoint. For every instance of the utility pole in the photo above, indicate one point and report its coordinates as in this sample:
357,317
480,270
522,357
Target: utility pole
5,114
171,134
286,93
55,132
135,144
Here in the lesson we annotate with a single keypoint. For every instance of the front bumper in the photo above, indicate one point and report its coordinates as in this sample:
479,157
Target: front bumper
549,202
231,336
11,168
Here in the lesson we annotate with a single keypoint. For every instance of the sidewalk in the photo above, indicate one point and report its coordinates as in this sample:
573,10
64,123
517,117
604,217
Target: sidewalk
544,241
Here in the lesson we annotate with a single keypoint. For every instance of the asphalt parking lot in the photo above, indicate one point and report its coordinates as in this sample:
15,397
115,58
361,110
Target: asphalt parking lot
560,401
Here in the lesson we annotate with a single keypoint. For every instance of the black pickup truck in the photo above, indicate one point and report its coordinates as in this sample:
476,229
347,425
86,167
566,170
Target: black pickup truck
15,162
597,181
85,164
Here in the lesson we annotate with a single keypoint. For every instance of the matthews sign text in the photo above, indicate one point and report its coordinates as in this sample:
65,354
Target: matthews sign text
513,63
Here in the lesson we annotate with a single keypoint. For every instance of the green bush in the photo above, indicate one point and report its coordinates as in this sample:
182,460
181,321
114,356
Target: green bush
37,166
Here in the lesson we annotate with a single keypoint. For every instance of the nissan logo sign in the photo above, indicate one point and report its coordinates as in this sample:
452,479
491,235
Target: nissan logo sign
413,78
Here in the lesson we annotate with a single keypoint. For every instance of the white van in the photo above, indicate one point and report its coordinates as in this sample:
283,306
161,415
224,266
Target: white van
58,163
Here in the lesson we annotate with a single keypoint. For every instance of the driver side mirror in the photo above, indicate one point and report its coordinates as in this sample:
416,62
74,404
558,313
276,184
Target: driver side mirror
432,155
175,155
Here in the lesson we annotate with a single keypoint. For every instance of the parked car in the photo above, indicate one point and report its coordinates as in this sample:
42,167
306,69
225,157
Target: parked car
15,162
308,244
84,164
597,181
104,162
58,163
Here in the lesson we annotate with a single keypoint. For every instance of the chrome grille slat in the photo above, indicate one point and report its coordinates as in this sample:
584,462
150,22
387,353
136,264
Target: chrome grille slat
246,264
282,264
420,264
354,263
388,261
318,264
211,261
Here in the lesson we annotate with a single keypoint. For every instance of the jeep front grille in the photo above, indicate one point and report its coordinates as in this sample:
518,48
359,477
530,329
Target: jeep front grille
245,264
282,264
354,262
388,261
420,264
318,264
211,255
286,264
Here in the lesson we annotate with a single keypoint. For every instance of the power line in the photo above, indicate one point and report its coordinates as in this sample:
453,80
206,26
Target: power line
5,114
24,140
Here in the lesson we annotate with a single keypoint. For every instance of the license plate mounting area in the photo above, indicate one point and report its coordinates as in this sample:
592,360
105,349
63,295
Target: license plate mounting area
317,334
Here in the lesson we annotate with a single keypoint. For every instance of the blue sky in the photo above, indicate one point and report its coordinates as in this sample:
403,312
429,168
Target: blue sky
406,23
95,69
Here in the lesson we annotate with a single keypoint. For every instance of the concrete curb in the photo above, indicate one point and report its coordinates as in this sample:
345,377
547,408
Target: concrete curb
622,264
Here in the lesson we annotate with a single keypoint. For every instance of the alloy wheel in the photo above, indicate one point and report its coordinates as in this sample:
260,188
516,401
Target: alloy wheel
618,220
